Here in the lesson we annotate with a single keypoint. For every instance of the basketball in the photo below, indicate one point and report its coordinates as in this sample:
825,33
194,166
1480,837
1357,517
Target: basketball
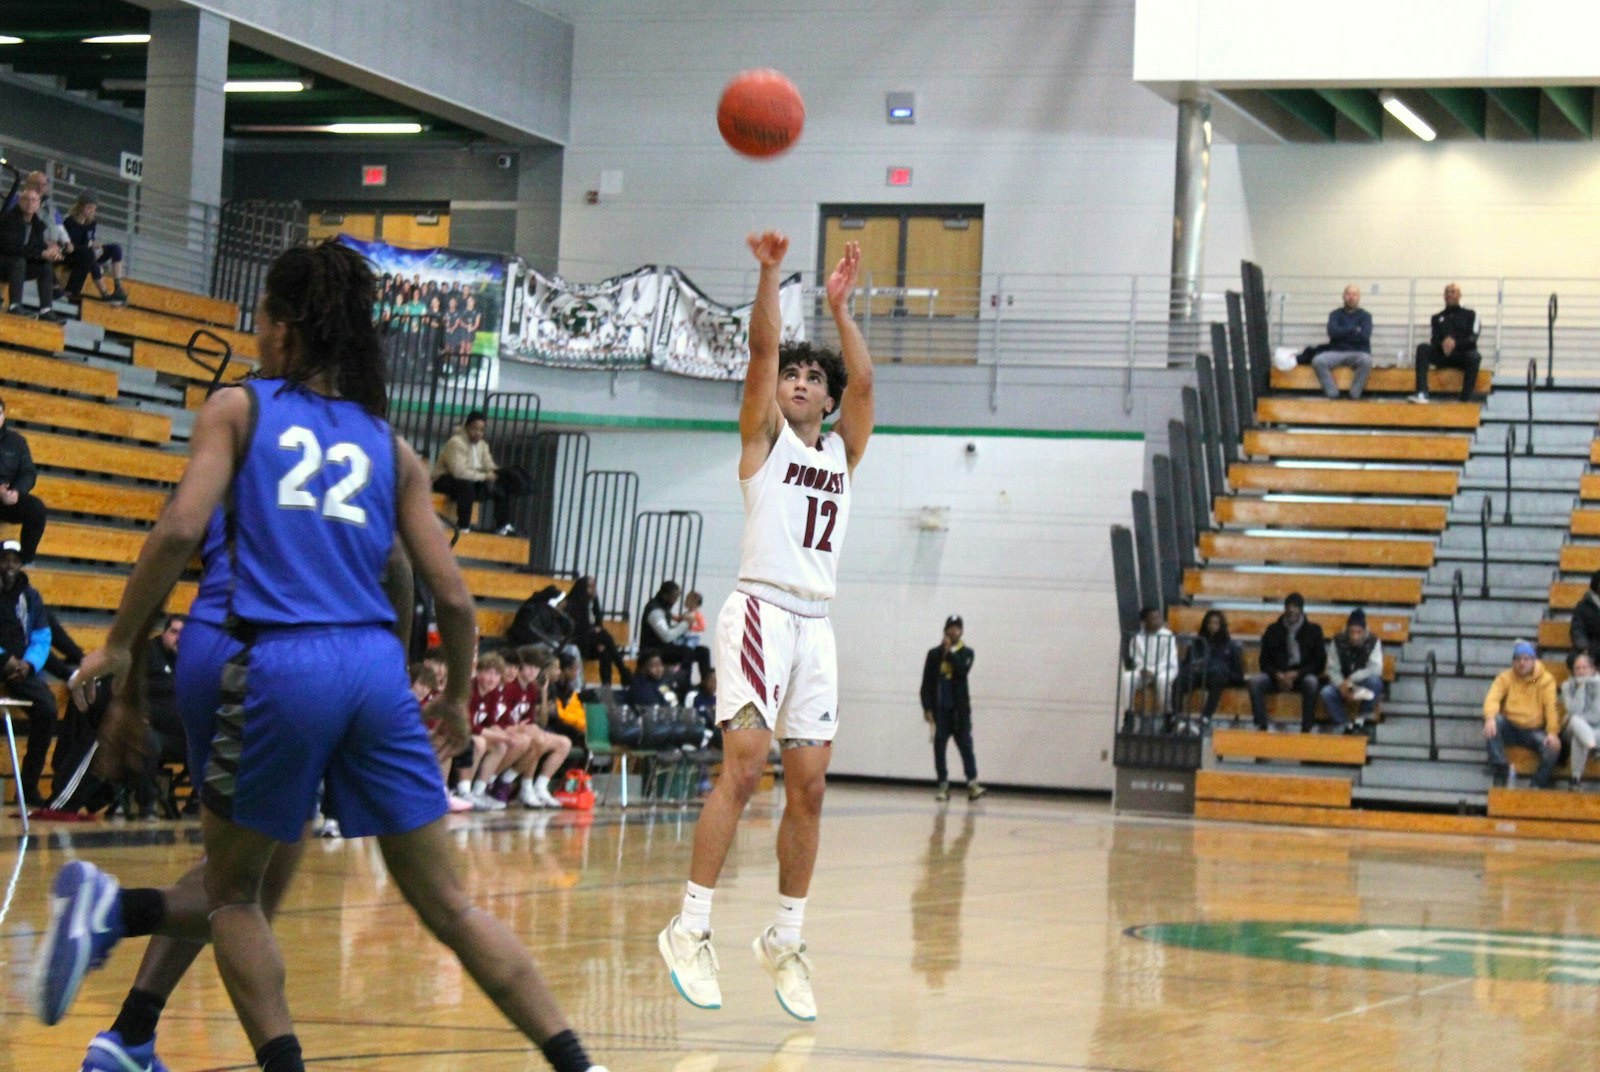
760,113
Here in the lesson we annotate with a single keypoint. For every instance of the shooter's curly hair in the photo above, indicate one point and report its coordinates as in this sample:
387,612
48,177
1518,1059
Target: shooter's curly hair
831,362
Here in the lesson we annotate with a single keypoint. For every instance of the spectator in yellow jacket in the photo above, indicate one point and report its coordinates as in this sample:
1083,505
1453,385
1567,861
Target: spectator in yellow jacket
1521,710
466,471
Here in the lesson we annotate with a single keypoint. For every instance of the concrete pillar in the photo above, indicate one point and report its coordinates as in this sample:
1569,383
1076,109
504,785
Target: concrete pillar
183,111
1190,191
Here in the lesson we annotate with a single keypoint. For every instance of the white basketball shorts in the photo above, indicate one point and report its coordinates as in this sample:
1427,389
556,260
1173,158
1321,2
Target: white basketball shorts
784,664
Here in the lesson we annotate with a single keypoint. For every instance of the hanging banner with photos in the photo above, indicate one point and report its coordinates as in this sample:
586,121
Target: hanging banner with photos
604,325
437,308
698,337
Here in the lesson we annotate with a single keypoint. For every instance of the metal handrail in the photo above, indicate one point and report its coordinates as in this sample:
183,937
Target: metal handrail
1457,589
1430,672
222,366
1533,376
1550,327
1485,515
1511,450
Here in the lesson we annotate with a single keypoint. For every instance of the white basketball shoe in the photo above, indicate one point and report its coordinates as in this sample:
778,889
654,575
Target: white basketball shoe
791,974
693,964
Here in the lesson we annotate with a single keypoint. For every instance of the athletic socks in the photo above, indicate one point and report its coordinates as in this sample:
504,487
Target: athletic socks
508,777
143,912
696,914
141,1011
786,924
565,1053
541,784
281,1054
480,787
463,789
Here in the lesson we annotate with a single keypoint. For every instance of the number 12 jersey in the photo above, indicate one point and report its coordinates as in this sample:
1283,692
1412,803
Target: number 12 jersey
796,510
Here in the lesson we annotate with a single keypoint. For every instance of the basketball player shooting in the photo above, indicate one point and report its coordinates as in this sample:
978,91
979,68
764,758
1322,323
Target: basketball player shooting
773,636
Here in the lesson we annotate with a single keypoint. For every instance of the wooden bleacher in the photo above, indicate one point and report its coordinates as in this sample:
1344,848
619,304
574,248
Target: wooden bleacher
1323,412
151,297
60,411
1346,550
1272,789
1422,483
26,333
1356,588
1346,750
57,375
1358,446
1401,517
174,361
160,327
1250,624
1401,381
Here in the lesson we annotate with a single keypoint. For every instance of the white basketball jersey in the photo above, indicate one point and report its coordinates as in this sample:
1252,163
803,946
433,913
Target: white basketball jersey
796,509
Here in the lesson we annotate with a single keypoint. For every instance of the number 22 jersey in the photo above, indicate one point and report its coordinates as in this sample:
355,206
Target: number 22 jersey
796,510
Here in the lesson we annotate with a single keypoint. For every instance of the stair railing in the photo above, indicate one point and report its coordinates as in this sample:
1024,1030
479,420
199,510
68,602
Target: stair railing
1533,376
1430,673
1484,517
1511,449
1550,327
1457,588
221,368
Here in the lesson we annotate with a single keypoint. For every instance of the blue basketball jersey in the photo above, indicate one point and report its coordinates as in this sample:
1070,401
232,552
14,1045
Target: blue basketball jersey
306,529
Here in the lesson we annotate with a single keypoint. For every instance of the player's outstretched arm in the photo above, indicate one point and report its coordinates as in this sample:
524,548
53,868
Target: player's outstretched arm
433,560
856,412
215,447
758,409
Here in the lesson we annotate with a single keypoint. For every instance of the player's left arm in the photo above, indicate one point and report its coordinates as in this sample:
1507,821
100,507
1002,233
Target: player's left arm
856,412
400,586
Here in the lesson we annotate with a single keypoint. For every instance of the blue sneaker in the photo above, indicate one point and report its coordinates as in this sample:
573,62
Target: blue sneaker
108,1053
85,922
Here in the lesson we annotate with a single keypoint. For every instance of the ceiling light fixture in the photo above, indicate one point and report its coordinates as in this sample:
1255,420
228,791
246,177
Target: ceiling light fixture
1409,119
119,39
330,128
7,39
264,85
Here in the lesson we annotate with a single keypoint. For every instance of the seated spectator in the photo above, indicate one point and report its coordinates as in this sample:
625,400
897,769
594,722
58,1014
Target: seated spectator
528,718
24,645
1521,710
704,700
484,709
165,740
1213,662
1293,657
663,631
1580,700
1452,343
1357,674
541,621
589,633
1151,663
696,619
25,254
18,504
645,690
425,687
1586,619
65,654
87,256
1349,345
569,710
467,474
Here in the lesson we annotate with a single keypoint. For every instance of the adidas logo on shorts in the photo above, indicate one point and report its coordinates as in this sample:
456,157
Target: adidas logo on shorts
826,717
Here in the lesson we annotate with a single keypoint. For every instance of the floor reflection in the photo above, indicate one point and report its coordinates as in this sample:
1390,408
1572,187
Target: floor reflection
936,901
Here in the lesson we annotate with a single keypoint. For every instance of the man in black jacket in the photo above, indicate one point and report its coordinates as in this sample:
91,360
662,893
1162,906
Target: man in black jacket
18,504
25,252
24,644
1586,619
1293,657
947,704
1453,343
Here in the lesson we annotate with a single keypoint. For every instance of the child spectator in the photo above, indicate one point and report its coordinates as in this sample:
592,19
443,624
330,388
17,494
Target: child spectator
425,687
500,751
696,620
87,255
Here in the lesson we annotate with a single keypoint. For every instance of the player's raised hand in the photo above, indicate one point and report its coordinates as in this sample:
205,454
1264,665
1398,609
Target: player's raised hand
770,247
842,283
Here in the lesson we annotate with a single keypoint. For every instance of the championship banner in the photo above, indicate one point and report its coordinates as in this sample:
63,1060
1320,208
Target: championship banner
698,337
437,308
604,325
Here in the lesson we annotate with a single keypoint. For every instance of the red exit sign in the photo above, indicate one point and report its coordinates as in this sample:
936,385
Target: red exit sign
375,175
899,176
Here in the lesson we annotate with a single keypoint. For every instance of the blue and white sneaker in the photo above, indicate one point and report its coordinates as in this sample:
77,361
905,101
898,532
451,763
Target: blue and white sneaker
85,922
108,1053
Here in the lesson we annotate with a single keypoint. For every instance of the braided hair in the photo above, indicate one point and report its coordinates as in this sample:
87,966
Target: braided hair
325,293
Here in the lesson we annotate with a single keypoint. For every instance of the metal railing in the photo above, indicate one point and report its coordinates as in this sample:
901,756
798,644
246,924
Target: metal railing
1533,375
1550,338
563,459
1430,673
192,351
1457,589
604,533
664,546
1511,451
1485,516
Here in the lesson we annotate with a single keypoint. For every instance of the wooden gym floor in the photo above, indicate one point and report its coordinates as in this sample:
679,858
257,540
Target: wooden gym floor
1018,933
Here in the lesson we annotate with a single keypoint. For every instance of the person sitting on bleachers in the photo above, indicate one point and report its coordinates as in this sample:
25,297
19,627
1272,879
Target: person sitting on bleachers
1151,663
568,705
24,644
466,473
26,254
88,254
1357,674
1580,702
590,634
1520,709
1213,662
663,631
526,717
18,504
1349,346
1452,343
646,689
166,739
484,712
1293,657
1586,619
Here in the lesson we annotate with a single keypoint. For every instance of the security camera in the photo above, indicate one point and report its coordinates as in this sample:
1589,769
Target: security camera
504,161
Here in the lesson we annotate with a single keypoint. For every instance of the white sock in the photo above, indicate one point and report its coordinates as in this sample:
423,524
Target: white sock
786,924
541,785
480,787
463,788
696,914
508,777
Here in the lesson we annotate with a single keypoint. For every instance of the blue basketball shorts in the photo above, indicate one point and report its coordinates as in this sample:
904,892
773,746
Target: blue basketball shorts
271,718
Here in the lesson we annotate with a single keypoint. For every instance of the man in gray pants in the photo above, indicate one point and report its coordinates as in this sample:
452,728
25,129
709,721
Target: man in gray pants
1349,345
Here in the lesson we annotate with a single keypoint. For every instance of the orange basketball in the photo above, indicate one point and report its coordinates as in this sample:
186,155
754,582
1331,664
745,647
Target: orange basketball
760,113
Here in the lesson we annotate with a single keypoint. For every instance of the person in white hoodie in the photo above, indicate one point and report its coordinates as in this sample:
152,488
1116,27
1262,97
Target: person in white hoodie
1356,670
1151,663
1580,700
